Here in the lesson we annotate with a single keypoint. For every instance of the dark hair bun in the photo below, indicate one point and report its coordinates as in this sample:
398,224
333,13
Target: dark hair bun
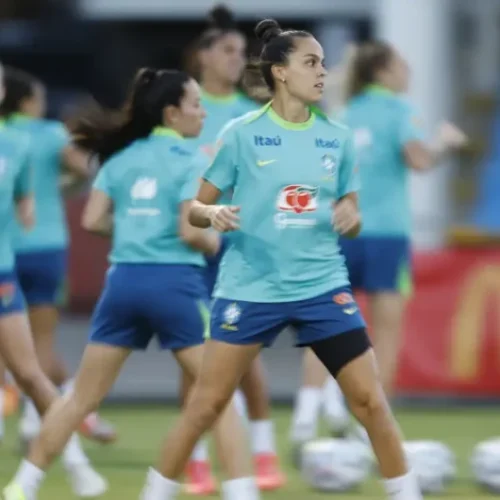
267,29
222,18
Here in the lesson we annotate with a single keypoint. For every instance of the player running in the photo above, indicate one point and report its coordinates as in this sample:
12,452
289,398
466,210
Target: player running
141,197
293,175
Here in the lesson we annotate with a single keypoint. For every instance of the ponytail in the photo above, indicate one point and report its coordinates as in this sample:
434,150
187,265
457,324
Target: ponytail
107,132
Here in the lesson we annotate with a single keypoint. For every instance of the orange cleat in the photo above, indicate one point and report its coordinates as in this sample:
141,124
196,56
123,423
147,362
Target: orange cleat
267,470
199,479
96,429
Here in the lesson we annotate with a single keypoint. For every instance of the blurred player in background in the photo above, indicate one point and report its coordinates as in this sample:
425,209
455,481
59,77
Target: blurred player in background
390,142
142,196
219,61
16,343
41,252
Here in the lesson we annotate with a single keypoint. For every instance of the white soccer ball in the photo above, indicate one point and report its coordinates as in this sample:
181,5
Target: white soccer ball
335,465
485,463
433,463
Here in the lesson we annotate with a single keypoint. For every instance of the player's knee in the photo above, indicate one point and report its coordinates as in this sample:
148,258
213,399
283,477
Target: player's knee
29,378
204,407
368,403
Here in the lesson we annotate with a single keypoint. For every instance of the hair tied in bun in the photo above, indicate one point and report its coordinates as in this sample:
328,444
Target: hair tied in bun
267,29
220,17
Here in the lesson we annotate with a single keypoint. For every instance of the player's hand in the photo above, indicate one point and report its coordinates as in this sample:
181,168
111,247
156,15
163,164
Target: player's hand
451,137
224,218
346,218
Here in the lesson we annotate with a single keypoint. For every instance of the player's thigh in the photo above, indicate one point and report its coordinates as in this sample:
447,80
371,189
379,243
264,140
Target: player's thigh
118,318
41,276
388,266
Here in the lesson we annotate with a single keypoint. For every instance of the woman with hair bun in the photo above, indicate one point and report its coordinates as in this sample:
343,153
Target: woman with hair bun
283,266
221,59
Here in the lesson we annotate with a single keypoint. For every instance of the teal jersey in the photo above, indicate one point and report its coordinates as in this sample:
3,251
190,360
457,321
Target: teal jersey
286,178
47,139
147,182
15,183
382,124
220,111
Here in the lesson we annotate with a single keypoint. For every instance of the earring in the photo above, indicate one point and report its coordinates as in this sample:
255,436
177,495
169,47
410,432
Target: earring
283,80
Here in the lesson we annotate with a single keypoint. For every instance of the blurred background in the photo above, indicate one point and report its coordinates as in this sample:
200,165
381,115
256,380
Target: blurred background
452,335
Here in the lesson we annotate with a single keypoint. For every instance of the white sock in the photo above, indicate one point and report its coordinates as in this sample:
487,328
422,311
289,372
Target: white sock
159,487
29,478
73,454
335,409
403,488
305,414
30,414
2,423
240,403
200,452
262,433
67,386
244,488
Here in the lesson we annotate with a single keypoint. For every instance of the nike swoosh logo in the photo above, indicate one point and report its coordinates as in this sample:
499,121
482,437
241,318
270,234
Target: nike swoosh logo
263,163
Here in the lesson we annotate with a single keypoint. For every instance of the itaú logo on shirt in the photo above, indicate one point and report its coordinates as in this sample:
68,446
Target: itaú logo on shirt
322,143
295,201
260,140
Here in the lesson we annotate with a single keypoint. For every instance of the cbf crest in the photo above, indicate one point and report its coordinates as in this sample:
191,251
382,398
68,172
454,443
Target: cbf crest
329,164
232,314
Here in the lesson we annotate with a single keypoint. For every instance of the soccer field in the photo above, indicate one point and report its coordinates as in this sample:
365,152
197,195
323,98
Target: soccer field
140,429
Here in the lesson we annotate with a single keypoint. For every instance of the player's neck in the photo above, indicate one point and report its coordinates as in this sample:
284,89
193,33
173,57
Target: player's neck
290,109
217,89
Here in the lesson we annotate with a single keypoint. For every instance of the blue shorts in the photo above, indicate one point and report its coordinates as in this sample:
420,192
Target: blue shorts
142,301
11,295
212,268
329,314
41,276
378,264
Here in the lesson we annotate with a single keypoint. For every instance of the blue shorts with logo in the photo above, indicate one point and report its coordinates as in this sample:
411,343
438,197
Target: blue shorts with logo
378,264
315,319
41,275
142,301
11,295
212,269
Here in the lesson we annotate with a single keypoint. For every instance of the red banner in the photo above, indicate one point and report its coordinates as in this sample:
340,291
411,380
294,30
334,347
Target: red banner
452,329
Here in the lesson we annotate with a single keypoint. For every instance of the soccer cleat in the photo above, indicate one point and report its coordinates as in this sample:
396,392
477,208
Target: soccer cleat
11,400
97,429
268,474
199,479
14,492
86,482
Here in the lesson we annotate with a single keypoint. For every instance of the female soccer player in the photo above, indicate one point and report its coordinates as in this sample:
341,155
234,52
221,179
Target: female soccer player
41,252
389,141
283,266
221,57
142,196
16,345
